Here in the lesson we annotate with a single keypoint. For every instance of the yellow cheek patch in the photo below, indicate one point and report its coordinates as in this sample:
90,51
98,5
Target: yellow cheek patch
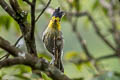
55,18
51,24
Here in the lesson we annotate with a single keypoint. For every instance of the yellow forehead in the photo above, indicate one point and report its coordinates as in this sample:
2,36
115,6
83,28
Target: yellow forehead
55,18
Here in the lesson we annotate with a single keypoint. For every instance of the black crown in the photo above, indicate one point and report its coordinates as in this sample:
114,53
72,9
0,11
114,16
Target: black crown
58,13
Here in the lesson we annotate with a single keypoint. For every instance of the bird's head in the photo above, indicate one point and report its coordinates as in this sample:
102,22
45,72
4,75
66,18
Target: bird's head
55,20
57,15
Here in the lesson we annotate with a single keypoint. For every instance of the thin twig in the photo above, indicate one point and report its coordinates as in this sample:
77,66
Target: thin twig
18,40
79,37
107,57
28,2
7,55
96,59
111,14
97,30
15,6
43,10
82,42
99,33
83,45
7,8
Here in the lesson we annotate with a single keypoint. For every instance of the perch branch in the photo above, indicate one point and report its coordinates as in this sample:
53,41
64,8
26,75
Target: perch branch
27,59
38,64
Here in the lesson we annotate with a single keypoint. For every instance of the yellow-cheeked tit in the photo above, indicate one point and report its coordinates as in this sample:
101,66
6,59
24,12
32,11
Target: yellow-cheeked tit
53,40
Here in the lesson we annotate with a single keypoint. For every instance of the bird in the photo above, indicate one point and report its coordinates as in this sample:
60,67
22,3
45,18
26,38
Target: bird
53,39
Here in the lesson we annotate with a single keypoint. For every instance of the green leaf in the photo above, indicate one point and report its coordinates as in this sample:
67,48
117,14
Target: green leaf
35,76
23,68
45,77
79,67
7,24
76,4
44,56
107,76
105,11
70,55
22,77
5,21
95,5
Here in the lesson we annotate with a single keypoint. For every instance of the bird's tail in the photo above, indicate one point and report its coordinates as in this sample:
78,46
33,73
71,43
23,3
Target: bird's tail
58,62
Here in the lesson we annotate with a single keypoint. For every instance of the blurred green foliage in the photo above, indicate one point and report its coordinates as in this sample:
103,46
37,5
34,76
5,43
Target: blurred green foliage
110,69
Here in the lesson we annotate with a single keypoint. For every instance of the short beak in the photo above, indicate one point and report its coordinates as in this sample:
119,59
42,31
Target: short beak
55,20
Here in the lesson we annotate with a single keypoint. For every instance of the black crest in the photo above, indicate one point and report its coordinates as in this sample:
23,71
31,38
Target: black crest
58,13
